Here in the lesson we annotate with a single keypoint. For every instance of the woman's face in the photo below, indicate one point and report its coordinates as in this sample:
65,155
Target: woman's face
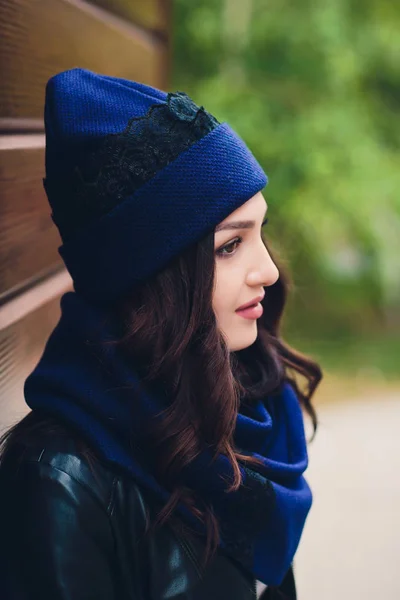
243,268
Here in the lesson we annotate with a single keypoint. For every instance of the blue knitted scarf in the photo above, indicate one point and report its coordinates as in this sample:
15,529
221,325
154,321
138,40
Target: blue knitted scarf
88,384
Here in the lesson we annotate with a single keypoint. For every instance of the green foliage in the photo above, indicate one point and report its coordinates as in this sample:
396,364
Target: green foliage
314,89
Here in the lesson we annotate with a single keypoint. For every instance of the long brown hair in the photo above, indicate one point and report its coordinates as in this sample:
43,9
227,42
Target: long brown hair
168,327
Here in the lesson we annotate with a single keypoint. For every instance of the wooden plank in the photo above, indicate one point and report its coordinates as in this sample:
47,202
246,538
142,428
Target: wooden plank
152,14
21,346
28,237
42,37
34,297
21,125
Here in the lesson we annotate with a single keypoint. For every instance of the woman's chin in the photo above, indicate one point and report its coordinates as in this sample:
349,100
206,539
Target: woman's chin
243,341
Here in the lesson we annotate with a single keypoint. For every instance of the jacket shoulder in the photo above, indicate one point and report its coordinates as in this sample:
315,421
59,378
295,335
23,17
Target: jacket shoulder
58,507
63,460
59,459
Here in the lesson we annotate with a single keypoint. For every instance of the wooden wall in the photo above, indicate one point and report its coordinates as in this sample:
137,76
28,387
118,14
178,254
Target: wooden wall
38,38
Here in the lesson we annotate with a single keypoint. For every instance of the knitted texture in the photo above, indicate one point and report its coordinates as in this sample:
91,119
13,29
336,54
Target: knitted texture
134,176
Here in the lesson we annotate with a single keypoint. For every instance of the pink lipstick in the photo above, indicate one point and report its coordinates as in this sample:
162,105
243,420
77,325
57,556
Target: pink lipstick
252,309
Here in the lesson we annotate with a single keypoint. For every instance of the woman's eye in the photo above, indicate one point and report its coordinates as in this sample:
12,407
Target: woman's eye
229,249
231,246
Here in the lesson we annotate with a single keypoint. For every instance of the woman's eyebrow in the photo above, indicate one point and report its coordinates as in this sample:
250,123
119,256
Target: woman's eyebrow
237,224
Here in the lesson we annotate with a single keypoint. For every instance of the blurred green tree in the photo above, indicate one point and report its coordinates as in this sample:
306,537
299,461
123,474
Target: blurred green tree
314,89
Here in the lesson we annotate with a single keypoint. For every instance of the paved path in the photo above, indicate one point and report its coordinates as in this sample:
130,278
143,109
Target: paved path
350,549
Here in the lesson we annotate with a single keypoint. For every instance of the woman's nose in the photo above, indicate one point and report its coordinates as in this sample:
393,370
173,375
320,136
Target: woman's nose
265,271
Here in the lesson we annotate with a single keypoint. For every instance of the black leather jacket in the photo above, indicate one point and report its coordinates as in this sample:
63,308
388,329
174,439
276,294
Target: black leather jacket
70,534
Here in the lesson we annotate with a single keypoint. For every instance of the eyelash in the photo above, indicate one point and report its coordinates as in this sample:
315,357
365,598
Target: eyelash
237,240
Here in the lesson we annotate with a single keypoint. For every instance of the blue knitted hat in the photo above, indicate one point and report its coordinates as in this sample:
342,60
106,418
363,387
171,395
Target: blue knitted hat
134,176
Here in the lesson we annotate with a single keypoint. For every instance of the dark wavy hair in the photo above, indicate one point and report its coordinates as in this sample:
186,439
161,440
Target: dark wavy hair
169,328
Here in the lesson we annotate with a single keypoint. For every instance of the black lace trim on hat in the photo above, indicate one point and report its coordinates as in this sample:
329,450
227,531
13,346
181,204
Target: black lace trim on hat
109,170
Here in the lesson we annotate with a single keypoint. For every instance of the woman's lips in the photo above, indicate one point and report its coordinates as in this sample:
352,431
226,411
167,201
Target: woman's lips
252,312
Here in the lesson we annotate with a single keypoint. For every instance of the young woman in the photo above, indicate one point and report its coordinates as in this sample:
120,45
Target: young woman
164,453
